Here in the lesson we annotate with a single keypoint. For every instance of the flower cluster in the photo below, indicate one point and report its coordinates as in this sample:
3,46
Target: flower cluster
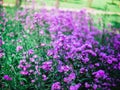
77,56
1,51
3,21
6,77
56,86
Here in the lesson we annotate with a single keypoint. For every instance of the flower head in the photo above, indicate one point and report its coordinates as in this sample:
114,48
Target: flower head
47,65
19,48
64,68
99,74
31,51
6,77
75,87
56,86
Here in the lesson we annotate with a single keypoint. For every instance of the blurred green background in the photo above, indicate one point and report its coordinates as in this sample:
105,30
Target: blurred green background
112,6
78,4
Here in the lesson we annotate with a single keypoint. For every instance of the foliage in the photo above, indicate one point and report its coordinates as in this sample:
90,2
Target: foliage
58,50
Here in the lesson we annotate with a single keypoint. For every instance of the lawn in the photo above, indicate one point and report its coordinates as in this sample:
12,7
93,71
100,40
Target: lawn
105,5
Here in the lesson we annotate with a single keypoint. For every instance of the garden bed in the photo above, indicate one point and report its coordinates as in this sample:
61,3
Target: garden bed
58,50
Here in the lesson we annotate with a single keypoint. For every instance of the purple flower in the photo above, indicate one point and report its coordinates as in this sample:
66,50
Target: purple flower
44,77
35,56
41,32
19,48
64,68
95,86
6,77
75,87
82,70
1,42
66,79
42,44
32,59
89,52
83,47
87,85
56,86
1,55
24,72
116,42
47,65
99,74
32,81
50,52
85,60
97,64
109,61
72,76
30,52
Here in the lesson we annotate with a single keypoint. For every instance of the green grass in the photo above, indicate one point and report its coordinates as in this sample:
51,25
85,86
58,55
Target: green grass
10,10
9,1
114,20
105,5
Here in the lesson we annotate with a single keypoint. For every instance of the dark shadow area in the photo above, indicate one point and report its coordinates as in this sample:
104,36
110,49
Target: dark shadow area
98,8
75,1
115,21
111,3
116,88
115,24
